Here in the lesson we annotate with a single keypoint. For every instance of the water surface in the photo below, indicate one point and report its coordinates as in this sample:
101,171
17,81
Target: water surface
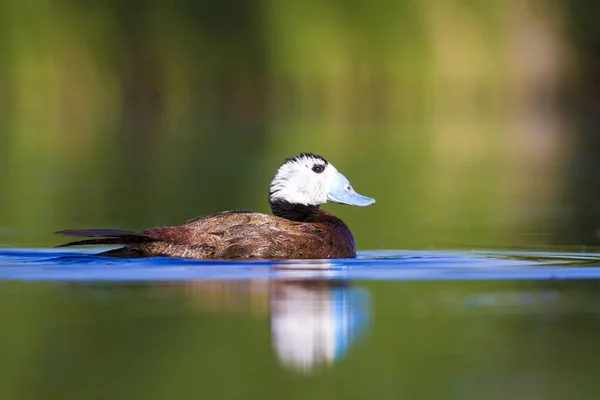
394,324
54,264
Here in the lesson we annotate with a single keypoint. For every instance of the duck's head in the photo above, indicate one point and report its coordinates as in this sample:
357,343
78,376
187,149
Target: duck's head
310,180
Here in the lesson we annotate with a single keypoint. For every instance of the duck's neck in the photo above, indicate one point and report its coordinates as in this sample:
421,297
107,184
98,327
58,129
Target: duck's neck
293,211
337,233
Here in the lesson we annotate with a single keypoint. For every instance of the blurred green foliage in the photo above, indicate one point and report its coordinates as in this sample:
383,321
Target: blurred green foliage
450,114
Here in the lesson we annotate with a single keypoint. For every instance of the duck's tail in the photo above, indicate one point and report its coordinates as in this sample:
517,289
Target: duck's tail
105,236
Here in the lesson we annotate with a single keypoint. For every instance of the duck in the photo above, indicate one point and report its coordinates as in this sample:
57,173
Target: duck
298,229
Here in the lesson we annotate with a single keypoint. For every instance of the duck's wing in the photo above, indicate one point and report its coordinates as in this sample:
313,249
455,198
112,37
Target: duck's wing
235,234
220,215
270,237
285,240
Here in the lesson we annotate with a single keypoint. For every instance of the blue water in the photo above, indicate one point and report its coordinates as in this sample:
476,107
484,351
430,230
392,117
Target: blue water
77,265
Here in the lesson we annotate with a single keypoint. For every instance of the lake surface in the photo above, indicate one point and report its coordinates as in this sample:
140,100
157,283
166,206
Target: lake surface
389,324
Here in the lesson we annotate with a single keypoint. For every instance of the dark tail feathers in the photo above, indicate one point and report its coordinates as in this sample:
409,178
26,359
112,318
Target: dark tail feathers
106,236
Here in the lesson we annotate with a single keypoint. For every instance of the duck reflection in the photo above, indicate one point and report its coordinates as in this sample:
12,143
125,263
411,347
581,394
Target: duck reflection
313,321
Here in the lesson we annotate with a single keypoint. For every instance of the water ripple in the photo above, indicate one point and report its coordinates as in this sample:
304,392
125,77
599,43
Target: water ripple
84,265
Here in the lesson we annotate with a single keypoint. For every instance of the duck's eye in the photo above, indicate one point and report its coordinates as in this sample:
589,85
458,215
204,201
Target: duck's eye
318,168
348,188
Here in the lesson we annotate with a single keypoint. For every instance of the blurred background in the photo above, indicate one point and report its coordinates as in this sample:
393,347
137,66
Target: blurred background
473,123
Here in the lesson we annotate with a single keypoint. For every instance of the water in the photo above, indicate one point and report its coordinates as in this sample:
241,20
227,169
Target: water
427,324
84,265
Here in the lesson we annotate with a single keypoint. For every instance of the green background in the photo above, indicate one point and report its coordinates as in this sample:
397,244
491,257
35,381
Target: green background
471,122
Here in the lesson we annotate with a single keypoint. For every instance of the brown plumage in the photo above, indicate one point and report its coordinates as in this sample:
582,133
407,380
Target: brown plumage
296,231
235,234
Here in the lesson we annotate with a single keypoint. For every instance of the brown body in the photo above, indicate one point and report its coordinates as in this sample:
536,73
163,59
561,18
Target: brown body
234,235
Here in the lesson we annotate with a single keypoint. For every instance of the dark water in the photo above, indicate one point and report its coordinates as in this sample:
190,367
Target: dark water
460,325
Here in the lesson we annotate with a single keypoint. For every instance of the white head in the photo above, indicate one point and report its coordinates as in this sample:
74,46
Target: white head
310,179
